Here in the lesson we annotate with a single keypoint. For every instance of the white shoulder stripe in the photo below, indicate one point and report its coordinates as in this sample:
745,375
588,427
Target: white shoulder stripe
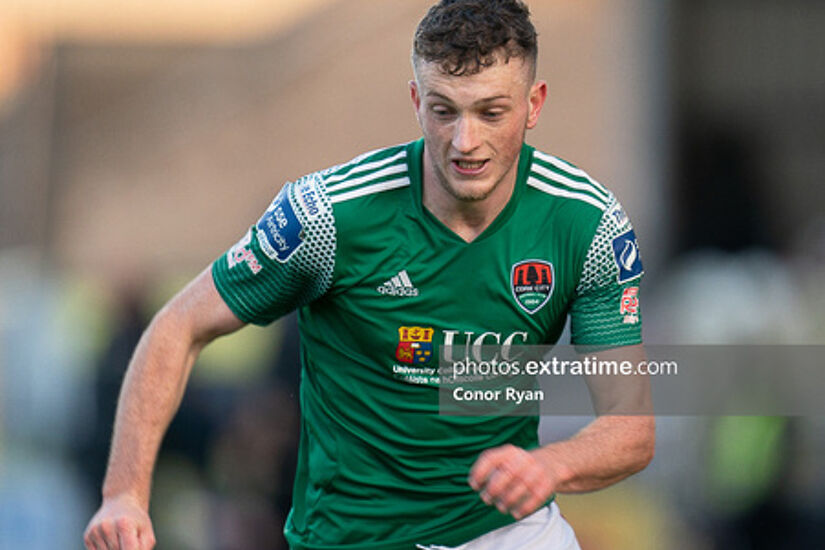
368,154
388,171
567,167
370,189
358,168
550,190
570,183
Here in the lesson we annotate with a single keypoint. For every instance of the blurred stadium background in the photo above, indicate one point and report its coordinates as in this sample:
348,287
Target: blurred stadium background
138,141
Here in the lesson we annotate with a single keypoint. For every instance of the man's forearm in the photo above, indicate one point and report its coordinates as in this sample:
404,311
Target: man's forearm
606,451
152,391
609,449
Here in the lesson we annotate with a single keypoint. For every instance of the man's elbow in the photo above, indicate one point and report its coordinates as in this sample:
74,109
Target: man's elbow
645,443
171,318
173,325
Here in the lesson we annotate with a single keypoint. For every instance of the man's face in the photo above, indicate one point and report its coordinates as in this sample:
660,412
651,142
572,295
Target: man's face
474,125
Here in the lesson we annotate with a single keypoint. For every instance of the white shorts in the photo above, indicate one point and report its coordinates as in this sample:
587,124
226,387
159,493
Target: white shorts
544,529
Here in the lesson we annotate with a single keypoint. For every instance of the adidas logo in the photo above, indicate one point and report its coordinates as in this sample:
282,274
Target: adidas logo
400,285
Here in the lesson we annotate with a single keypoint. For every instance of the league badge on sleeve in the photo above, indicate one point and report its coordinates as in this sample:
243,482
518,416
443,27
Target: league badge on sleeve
532,284
280,233
626,254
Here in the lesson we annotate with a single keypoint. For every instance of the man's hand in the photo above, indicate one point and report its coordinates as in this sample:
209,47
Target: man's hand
512,479
120,524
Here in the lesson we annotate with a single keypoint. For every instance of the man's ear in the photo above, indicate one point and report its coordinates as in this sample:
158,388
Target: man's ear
538,94
416,98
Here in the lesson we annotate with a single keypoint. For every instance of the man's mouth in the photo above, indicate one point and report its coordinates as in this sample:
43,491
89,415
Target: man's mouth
469,166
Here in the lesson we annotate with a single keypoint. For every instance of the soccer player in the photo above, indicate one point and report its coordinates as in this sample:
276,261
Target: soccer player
465,237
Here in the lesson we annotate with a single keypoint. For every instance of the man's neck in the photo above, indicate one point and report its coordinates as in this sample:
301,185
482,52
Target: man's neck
466,218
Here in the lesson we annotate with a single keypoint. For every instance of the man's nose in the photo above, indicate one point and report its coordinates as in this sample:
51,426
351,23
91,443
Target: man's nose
465,135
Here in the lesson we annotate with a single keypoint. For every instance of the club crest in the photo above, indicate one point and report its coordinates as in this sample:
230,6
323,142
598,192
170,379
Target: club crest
532,284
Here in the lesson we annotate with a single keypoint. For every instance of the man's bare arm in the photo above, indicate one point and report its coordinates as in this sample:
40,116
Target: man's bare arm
606,451
151,394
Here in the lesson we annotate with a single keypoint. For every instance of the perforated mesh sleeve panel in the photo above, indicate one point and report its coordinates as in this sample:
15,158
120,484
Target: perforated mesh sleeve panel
284,261
605,312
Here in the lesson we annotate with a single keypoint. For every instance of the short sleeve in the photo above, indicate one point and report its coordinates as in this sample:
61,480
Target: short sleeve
284,261
605,310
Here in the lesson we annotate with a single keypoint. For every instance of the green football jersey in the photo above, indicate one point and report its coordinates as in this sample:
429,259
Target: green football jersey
381,284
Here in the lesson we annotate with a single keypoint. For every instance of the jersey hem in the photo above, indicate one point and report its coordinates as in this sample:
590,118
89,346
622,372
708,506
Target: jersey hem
443,537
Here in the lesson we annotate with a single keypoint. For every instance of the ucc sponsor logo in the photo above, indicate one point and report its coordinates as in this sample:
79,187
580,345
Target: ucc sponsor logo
461,344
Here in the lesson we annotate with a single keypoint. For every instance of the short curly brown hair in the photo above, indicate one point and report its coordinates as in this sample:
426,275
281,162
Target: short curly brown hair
466,36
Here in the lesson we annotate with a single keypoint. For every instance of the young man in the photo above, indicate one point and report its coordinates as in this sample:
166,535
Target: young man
389,257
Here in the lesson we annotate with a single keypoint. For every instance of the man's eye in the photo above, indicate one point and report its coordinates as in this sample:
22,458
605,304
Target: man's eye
441,111
493,115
